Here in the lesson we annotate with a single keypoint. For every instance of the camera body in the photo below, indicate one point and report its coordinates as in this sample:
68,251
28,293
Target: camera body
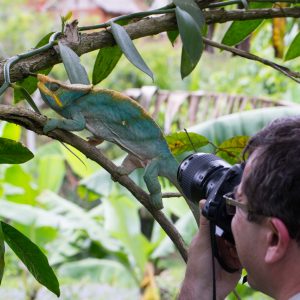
206,176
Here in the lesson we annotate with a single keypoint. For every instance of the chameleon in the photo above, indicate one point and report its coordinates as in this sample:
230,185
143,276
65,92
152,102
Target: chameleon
113,117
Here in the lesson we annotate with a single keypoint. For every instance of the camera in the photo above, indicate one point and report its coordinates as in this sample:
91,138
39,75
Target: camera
206,176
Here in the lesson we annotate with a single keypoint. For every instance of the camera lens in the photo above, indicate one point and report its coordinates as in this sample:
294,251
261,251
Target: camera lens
199,173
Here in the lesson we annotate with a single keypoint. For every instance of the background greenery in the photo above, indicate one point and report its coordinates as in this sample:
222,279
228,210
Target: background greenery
90,228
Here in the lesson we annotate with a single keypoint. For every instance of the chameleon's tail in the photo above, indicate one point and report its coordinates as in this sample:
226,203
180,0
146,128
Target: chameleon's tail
168,168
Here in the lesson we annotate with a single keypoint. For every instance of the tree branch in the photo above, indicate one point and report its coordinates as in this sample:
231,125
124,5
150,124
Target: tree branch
35,122
144,27
282,69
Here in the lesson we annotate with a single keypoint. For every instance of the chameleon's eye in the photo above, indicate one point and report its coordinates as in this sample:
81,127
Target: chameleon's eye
54,87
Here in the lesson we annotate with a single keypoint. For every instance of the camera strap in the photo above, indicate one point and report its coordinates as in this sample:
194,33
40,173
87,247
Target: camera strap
213,243
215,254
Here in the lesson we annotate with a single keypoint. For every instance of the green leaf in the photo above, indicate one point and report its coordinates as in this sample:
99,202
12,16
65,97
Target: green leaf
106,60
76,72
72,213
67,17
294,49
187,228
243,123
231,149
193,10
190,34
78,162
25,94
186,65
12,152
31,216
32,257
51,170
99,182
122,22
44,40
181,142
124,224
172,36
22,182
86,194
2,252
30,83
98,270
191,39
125,43
240,30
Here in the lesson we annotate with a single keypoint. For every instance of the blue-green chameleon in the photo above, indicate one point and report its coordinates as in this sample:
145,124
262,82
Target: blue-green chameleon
116,118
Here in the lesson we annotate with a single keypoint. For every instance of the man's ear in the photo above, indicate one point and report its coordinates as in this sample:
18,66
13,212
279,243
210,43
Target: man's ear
278,240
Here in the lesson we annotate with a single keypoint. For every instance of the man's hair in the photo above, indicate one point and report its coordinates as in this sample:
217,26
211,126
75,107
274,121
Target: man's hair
272,186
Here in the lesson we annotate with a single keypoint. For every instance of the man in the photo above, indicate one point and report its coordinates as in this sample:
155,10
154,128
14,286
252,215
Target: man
266,229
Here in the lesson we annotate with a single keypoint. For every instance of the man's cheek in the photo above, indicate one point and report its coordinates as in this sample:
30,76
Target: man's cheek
234,225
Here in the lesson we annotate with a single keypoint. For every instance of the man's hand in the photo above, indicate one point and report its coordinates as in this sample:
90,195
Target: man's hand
198,281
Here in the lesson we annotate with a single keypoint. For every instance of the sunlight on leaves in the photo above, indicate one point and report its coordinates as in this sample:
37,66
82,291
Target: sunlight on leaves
180,142
231,149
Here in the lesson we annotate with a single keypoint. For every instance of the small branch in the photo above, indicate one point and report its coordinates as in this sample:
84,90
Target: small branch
221,16
171,195
282,69
231,2
35,122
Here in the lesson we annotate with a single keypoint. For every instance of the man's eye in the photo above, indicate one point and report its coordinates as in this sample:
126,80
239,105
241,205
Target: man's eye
54,87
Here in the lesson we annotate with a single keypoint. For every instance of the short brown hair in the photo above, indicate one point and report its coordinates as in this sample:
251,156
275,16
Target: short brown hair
273,184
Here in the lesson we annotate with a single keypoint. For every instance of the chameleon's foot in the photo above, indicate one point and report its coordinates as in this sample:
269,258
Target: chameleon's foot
120,172
50,125
156,201
94,140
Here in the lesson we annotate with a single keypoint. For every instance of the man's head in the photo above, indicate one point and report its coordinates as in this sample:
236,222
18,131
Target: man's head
272,186
267,234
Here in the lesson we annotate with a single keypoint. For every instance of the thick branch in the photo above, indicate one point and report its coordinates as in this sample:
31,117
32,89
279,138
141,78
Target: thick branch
34,122
145,27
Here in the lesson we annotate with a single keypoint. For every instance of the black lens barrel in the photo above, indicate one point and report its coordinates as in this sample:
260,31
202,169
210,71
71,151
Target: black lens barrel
198,173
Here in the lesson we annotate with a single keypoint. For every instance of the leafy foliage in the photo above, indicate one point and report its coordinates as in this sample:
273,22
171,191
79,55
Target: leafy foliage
29,84
108,243
125,43
76,72
231,149
2,253
32,257
293,51
240,30
190,23
106,60
181,142
12,152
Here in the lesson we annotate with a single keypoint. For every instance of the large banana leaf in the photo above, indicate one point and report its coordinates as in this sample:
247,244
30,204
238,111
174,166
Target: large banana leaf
100,271
240,124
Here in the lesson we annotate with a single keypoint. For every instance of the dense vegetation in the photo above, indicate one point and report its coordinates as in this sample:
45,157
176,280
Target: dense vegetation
97,238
